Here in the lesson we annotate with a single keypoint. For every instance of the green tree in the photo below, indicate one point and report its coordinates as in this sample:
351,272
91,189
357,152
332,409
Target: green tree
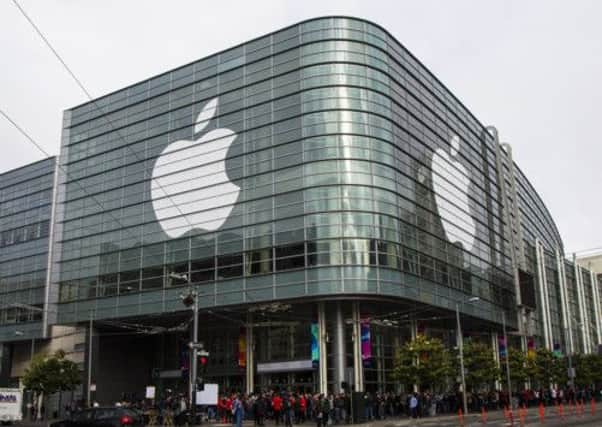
479,365
588,369
423,361
519,372
49,374
544,368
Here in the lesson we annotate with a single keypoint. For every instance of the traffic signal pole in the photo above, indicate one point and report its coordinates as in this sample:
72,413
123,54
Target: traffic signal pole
194,367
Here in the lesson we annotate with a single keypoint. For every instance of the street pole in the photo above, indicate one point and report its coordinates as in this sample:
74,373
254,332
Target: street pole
461,349
90,363
195,337
33,350
507,358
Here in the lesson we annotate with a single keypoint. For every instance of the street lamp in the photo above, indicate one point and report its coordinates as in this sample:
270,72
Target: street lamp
191,300
509,384
571,372
461,349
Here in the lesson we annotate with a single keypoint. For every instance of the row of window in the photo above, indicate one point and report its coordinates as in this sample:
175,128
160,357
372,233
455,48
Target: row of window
277,42
9,316
25,233
293,256
177,122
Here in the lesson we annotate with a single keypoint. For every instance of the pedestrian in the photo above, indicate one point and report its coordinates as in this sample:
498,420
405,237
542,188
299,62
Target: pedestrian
238,411
276,407
414,406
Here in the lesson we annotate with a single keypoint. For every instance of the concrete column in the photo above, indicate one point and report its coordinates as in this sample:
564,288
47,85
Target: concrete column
323,371
543,295
597,308
564,300
396,346
413,329
496,356
250,368
583,311
339,347
358,367
380,369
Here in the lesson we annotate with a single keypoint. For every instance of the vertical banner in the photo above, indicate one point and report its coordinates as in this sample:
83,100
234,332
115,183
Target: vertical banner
242,348
315,345
557,350
366,342
531,346
502,346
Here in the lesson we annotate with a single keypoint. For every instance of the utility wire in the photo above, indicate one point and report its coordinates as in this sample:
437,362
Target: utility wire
87,93
58,164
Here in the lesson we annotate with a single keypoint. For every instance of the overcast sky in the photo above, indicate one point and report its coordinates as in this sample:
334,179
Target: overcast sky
531,68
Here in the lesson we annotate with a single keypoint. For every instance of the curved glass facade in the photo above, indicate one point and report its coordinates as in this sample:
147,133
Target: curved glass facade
322,159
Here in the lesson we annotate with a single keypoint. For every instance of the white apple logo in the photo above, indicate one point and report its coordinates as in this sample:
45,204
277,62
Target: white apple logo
450,184
192,175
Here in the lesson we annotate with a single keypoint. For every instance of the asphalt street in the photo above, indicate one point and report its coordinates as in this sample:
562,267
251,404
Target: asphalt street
494,419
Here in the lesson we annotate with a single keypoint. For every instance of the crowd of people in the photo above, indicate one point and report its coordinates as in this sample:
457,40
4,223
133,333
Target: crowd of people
288,408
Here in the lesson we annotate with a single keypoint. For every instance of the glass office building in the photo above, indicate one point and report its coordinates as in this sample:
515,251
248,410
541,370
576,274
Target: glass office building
26,201
315,186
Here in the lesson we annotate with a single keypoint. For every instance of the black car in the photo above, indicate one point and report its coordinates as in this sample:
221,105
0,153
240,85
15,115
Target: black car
102,417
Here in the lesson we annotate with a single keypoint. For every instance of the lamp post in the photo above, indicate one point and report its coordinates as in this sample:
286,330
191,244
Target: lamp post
191,300
509,384
571,373
461,350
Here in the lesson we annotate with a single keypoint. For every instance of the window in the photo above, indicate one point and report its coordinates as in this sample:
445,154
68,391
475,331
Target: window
290,256
202,270
229,266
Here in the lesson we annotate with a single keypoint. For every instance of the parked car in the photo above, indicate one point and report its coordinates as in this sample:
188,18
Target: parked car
102,417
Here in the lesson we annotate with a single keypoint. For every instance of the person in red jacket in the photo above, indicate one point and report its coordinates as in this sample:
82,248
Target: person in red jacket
229,409
277,407
302,408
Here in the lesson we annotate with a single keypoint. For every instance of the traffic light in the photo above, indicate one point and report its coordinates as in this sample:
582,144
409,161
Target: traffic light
202,365
202,362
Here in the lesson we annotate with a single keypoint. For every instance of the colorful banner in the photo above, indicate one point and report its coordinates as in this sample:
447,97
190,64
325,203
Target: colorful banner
530,346
242,348
557,350
366,342
315,345
501,341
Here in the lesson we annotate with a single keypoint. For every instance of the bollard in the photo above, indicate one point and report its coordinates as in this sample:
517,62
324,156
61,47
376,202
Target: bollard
460,417
542,413
593,407
483,415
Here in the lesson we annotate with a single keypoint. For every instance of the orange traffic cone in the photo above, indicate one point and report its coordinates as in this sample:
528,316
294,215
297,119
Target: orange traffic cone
542,413
593,407
561,410
461,417
484,415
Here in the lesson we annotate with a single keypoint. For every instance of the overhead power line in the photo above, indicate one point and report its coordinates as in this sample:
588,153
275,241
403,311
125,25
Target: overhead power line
58,164
93,101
